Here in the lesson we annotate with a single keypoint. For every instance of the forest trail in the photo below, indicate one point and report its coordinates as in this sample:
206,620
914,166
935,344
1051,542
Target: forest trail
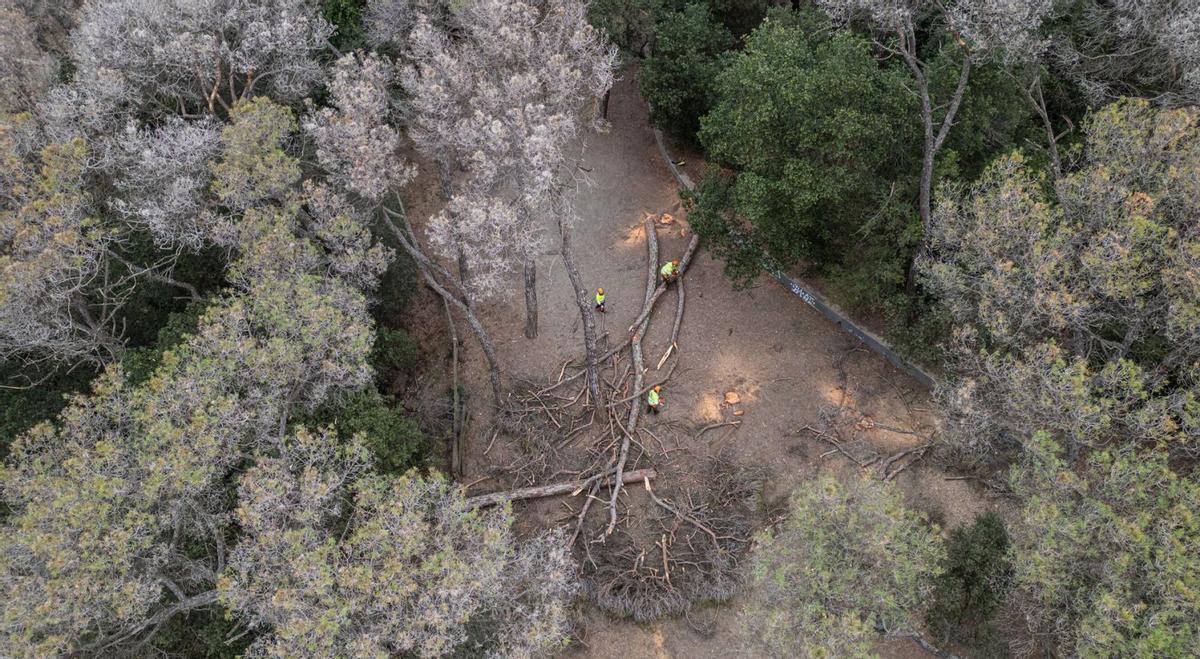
789,366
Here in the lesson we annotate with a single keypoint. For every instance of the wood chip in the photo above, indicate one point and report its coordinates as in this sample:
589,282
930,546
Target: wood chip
666,218
732,398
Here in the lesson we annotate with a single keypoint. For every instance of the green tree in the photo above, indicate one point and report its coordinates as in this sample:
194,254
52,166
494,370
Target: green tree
810,126
337,561
346,16
850,557
678,80
1107,556
974,580
395,441
1077,304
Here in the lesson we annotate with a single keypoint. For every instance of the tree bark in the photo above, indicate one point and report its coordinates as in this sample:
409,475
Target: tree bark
584,302
1038,103
655,293
455,428
635,350
932,144
540,491
531,302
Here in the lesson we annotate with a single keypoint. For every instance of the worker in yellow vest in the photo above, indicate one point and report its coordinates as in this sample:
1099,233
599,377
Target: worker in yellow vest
669,271
600,300
653,399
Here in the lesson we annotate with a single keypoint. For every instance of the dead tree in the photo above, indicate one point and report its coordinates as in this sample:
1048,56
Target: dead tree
429,269
585,312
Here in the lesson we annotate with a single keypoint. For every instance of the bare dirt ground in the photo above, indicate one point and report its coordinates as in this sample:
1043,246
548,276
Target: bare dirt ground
789,366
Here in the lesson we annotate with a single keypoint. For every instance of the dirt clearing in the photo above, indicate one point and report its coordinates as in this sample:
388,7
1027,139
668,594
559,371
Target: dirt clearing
804,396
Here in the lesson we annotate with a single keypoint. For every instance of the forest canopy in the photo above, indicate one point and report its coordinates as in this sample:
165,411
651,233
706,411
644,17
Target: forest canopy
246,244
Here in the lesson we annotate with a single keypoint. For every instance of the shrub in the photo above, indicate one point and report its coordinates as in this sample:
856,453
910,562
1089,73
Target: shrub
395,440
974,581
346,16
394,353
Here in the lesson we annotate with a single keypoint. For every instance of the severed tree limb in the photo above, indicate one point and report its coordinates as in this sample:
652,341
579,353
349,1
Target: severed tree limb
637,393
714,426
662,288
672,344
686,518
570,487
635,344
931,648
587,504
887,463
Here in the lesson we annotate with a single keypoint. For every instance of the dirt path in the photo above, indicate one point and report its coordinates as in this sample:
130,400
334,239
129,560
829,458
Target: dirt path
785,361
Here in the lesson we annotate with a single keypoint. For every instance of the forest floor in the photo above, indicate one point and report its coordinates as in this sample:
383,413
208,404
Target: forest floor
790,367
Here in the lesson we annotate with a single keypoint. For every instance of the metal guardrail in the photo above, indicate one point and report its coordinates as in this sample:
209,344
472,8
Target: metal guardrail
811,298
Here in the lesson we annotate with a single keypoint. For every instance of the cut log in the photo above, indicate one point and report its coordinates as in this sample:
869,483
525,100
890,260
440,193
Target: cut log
555,489
662,288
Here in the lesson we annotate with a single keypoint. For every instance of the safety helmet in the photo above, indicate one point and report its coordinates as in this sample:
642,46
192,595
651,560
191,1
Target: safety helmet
600,291
657,387
675,261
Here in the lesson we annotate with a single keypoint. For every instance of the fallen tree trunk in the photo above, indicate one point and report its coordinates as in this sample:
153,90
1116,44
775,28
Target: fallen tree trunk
635,344
540,491
662,288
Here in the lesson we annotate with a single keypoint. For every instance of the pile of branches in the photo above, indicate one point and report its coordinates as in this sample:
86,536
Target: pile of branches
846,430
687,552
670,551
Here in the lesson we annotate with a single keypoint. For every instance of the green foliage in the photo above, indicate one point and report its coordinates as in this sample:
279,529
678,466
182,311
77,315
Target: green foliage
628,23
253,167
974,580
202,634
149,304
1077,304
397,286
1107,556
810,125
336,560
394,353
394,440
678,80
346,16
140,362
849,554
740,16
992,119
25,407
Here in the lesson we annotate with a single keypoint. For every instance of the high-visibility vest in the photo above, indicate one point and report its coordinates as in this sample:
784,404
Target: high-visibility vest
599,298
668,269
652,398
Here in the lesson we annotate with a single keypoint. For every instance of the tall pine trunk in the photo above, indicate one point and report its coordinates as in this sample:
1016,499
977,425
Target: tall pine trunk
584,302
531,302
